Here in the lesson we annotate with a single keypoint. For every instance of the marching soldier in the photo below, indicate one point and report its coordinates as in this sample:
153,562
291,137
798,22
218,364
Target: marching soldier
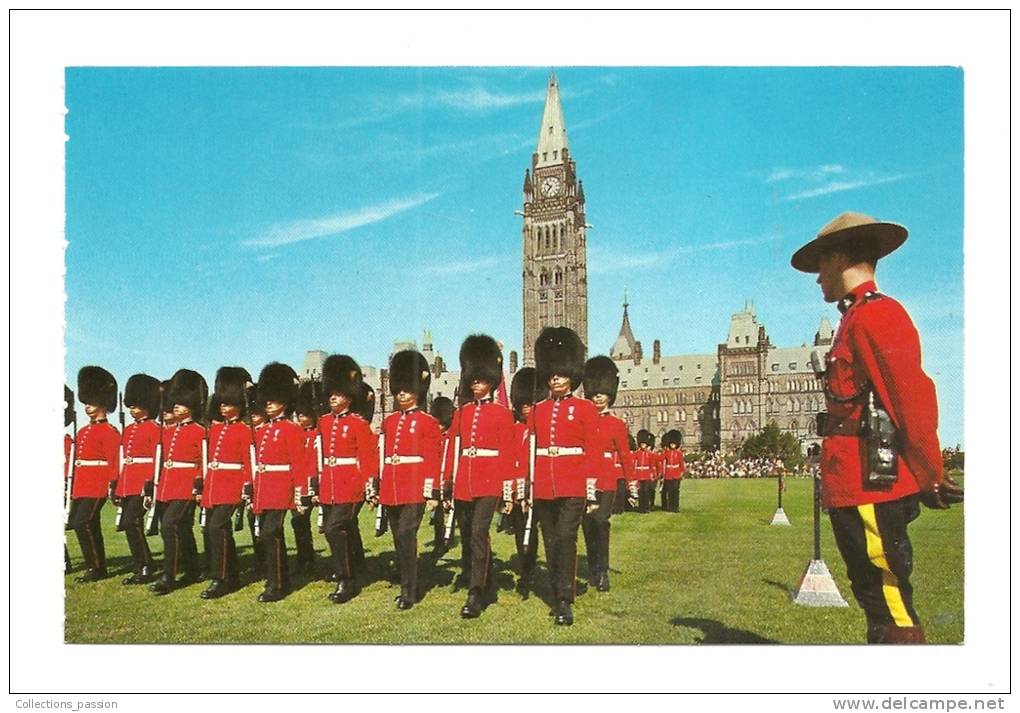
523,397
227,473
364,407
567,463
881,450
96,464
349,461
308,411
257,417
442,410
672,465
68,443
485,471
601,381
409,472
139,441
182,470
279,475
645,464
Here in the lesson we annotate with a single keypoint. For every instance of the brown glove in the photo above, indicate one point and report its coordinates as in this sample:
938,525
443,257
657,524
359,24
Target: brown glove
942,494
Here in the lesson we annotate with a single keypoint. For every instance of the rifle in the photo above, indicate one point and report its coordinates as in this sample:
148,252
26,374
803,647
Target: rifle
318,469
120,474
442,472
380,521
239,515
530,486
69,472
199,484
152,522
254,479
448,535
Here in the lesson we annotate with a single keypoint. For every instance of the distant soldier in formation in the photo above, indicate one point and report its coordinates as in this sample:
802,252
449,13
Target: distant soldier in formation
442,410
307,411
645,466
68,443
257,418
139,440
672,465
523,397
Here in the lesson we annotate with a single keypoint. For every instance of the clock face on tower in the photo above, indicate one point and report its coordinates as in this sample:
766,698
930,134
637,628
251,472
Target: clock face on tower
551,187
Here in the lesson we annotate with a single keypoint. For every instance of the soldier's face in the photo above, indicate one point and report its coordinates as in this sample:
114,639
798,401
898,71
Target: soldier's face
168,417
229,411
137,413
181,413
274,409
338,402
406,400
559,385
601,401
480,389
95,412
830,275
257,419
526,410
305,421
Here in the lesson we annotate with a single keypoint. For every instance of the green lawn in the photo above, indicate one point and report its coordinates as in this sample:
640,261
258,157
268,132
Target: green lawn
714,573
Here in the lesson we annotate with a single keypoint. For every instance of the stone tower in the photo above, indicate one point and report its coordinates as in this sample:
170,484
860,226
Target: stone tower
555,276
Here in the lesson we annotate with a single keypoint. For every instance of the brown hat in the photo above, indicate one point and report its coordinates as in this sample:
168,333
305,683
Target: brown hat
847,228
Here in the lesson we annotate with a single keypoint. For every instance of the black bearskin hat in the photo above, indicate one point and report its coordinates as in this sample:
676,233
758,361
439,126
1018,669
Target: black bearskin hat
143,391
231,388
308,403
522,390
365,402
68,406
672,436
188,388
631,441
255,406
601,377
480,359
342,375
410,372
442,410
278,382
97,387
645,436
164,393
558,350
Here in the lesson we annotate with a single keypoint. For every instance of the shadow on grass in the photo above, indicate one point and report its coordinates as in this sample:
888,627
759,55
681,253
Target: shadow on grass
779,585
715,632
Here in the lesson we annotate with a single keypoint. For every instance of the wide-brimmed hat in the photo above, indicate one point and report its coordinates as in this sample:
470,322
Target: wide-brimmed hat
847,228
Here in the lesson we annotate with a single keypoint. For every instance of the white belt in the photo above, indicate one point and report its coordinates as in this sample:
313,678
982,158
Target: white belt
398,459
473,452
333,460
128,460
263,468
177,464
554,451
90,462
216,465
642,467
673,466
608,454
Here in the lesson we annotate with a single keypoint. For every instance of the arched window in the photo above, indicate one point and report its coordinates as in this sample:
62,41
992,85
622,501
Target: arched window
557,277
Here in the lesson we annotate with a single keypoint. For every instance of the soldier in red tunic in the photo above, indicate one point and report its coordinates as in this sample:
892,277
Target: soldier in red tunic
227,473
881,449
307,409
442,410
645,464
257,418
349,460
484,431
280,479
601,381
96,465
68,443
182,467
672,467
139,442
409,478
567,459
523,397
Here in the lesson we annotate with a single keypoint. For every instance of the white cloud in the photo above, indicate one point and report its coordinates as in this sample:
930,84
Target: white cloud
474,99
814,173
307,228
838,186
460,268
603,262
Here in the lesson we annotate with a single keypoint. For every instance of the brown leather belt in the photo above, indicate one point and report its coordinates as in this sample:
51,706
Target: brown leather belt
842,426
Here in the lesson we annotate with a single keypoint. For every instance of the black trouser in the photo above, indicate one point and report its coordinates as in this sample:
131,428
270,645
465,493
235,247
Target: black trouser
474,518
560,519
879,559
274,547
439,529
203,521
340,525
84,519
132,522
671,495
620,500
646,493
527,555
358,546
596,534
302,526
256,545
404,521
180,553
219,536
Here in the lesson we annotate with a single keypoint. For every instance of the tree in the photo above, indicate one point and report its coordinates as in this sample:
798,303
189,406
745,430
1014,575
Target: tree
770,442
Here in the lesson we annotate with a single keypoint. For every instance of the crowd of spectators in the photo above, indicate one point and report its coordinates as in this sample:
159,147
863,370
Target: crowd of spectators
715,465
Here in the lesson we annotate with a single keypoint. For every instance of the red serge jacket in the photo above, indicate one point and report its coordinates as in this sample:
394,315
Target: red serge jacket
567,447
673,466
876,343
140,440
487,452
645,464
182,461
616,458
350,458
229,466
96,457
280,464
411,453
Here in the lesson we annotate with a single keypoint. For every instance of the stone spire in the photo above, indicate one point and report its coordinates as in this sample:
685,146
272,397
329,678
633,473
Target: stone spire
552,134
625,344
823,337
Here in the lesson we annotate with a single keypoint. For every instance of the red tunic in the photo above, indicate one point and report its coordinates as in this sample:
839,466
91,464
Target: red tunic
569,424
522,445
411,448
140,440
97,443
280,455
673,464
182,461
350,458
229,447
645,464
876,342
486,430
616,459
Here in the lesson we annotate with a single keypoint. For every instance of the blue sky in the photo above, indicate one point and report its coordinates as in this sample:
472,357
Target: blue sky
237,216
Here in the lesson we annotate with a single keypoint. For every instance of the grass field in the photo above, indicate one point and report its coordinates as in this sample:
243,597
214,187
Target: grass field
715,573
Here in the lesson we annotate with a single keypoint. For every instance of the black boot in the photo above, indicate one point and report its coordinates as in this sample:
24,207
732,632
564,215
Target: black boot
603,581
272,594
472,608
216,589
163,585
346,590
144,576
93,574
564,615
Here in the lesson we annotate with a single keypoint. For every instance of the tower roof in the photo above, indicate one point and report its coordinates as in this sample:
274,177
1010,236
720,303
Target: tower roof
623,347
552,134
